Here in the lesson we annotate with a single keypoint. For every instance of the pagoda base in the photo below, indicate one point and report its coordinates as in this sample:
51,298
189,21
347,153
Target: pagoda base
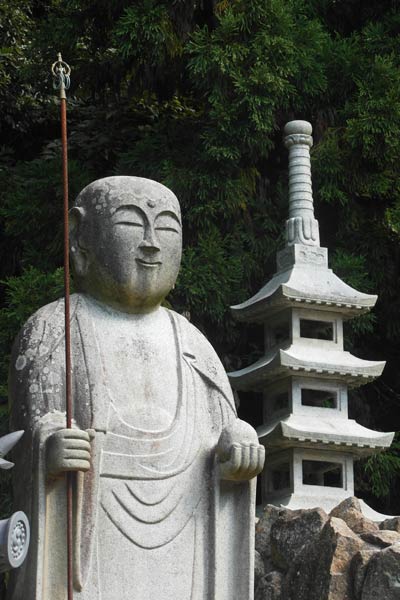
297,501
372,514
327,503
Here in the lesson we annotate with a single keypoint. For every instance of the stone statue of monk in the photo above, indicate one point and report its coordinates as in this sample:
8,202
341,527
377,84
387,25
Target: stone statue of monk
165,471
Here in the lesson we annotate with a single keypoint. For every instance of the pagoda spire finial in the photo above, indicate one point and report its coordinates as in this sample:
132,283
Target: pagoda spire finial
301,227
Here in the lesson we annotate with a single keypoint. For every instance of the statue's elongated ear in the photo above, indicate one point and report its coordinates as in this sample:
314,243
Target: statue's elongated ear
76,215
79,255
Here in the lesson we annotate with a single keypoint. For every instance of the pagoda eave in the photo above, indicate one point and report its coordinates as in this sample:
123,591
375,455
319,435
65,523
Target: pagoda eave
298,285
326,434
302,361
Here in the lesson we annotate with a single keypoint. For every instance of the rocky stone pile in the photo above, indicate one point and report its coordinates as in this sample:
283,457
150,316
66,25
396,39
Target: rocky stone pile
310,555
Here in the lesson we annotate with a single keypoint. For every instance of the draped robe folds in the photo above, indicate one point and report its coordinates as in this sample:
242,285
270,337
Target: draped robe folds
173,527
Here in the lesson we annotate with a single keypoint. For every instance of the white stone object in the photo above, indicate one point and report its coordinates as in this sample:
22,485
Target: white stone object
298,354
301,227
164,499
305,372
14,531
7,442
14,541
300,494
303,278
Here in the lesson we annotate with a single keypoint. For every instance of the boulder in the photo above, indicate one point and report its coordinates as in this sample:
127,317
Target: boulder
263,529
259,570
392,524
382,578
270,587
382,538
308,555
292,531
322,570
350,511
358,569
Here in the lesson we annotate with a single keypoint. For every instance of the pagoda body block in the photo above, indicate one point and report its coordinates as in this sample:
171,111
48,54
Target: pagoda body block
305,373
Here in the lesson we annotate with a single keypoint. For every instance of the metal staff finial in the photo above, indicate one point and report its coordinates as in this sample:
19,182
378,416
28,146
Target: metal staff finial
61,75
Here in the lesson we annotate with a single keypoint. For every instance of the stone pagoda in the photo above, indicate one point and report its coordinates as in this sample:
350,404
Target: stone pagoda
305,373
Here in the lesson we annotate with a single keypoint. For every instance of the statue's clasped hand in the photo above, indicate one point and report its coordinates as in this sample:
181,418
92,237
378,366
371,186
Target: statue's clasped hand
240,456
68,450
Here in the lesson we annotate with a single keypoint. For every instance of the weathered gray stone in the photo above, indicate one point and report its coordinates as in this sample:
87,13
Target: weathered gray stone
305,371
350,511
259,569
358,569
165,488
14,531
292,531
322,571
14,541
391,524
383,538
270,587
7,443
263,529
322,557
382,579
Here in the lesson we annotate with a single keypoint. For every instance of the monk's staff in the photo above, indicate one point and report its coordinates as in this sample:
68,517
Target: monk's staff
61,72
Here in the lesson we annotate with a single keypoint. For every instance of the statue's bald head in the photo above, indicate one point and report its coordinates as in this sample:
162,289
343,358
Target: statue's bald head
126,240
107,194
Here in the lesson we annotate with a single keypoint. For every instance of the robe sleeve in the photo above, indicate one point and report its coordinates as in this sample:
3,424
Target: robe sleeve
233,505
36,392
198,351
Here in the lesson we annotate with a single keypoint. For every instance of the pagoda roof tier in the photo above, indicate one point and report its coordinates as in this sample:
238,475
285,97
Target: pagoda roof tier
303,359
304,283
319,432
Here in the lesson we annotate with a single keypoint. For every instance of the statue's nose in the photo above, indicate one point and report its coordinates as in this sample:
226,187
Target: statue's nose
149,243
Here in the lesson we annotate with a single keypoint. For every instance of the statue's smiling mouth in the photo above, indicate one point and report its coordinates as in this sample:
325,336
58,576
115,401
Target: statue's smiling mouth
148,263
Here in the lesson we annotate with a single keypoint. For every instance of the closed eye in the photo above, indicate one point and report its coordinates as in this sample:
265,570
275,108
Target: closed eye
167,229
129,223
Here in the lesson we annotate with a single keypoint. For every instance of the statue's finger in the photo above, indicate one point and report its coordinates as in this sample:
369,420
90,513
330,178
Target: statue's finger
245,462
73,434
253,464
77,445
76,455
260,460
235,459
230,467
77,465
91,433
257,454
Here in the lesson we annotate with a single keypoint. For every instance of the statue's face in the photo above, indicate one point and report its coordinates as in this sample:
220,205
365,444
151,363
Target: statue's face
132,236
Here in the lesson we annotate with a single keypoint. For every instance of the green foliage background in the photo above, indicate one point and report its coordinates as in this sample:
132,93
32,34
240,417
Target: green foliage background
195,94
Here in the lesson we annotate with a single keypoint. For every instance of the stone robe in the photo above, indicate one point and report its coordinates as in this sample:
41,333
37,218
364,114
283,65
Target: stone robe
152,517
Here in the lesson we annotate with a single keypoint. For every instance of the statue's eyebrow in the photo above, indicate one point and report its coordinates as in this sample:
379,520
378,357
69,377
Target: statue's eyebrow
132,208
169,213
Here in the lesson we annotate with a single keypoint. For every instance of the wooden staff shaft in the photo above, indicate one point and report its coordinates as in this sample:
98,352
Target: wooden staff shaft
66,265
68,368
